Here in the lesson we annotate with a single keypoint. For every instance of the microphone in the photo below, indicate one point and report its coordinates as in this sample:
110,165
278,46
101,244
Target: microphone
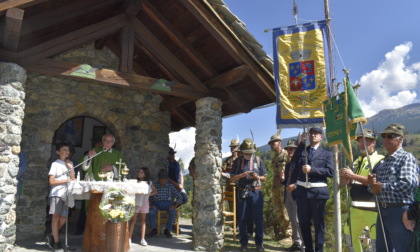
85,161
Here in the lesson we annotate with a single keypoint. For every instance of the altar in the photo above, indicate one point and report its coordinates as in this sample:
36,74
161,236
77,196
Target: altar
94,239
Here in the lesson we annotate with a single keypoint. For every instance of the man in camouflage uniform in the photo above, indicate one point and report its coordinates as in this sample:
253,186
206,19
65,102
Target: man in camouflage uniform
227,165
278,164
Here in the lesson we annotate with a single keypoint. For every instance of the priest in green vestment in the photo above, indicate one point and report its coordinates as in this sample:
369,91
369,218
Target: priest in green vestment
105,161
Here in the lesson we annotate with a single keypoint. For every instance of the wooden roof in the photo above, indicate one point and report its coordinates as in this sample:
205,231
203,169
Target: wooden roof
197,44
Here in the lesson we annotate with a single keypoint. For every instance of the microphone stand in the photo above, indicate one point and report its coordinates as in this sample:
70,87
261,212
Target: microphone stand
66,246
85,161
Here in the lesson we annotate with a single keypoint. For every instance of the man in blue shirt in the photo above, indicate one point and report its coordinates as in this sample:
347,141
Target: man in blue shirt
175,175
394,181
168,199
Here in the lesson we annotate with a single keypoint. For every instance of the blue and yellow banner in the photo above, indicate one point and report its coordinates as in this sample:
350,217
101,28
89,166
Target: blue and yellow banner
300,74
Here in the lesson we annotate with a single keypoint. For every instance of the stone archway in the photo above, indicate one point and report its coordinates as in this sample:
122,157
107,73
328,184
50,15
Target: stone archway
135,118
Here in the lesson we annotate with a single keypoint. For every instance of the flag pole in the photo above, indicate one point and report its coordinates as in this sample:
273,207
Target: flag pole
351,248
337,199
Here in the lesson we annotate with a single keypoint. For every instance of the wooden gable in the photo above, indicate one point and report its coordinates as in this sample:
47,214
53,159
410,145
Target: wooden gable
186,43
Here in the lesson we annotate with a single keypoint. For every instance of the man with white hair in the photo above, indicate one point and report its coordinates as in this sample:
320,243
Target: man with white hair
394,181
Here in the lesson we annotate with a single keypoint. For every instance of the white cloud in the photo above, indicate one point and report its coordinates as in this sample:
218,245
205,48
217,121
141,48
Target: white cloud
226,154
393,84
184,141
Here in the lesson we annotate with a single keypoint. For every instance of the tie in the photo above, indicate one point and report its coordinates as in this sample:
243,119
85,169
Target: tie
311,152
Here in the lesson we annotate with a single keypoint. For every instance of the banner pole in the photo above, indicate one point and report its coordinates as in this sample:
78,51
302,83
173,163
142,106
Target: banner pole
337,199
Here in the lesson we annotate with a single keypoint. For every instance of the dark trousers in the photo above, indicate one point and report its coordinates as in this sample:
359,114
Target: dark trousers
251,206
312,209
81,222
397,237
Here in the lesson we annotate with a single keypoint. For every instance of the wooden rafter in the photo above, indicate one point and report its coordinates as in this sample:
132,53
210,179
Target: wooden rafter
178,39
235,49
173,103
127,49
18,4
12,28
228,78
239,104
76,38
184,116
162,67
61,14
116,49
157,48
106,76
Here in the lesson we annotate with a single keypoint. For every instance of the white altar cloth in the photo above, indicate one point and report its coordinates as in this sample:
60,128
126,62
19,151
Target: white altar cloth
80,190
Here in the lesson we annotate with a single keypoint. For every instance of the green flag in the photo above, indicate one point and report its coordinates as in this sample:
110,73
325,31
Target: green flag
342,113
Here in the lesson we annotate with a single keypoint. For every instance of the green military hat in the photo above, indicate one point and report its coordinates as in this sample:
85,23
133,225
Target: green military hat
394,128
368,133
171,151
234,143
274,138
248,146
291,144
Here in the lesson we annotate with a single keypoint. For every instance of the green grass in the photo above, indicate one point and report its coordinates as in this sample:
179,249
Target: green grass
269,243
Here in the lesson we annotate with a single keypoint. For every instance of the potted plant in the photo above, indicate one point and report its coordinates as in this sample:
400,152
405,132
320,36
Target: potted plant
117,208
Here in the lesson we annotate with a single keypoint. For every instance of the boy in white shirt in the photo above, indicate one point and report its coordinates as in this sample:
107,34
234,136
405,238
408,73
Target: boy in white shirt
60,174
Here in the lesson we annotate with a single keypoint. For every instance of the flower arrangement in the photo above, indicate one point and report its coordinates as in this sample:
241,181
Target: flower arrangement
116,206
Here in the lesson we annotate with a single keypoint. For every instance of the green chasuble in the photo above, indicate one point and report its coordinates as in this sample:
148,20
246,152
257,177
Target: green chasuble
109,157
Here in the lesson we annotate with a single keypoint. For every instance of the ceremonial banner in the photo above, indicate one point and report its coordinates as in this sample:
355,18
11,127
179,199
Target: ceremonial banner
342,113
300,74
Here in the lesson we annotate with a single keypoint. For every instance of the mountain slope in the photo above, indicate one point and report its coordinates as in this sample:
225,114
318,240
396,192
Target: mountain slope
409,116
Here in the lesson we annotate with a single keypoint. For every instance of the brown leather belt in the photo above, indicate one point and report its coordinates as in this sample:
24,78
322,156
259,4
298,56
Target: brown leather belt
252,188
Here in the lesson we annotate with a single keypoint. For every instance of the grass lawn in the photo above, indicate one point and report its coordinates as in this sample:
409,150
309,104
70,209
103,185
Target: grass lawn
269,243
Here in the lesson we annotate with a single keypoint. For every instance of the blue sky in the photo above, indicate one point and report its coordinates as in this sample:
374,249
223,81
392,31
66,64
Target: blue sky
378,40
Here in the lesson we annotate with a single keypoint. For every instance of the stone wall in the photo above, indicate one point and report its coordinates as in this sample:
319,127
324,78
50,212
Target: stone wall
141,129
12,95
207,213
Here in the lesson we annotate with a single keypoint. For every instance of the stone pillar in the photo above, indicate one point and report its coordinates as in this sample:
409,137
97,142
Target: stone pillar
12,95
208,219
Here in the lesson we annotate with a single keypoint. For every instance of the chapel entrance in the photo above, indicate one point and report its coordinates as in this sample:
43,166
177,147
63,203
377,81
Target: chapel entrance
82,133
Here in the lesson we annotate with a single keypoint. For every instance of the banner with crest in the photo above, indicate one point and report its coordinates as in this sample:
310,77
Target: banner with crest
301,74
342,114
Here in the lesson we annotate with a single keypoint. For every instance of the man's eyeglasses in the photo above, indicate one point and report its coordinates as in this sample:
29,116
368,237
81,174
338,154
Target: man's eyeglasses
389,136
106,141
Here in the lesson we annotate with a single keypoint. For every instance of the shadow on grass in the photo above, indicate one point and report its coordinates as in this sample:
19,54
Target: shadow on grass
269,243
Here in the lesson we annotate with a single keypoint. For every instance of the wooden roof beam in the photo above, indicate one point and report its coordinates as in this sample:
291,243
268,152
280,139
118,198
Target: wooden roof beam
18,4
162,53
234,47
66,12
229,78
178,39
173,102
238,103
106,76
116,49
183,115
75,38
155,60
12,28
127,49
